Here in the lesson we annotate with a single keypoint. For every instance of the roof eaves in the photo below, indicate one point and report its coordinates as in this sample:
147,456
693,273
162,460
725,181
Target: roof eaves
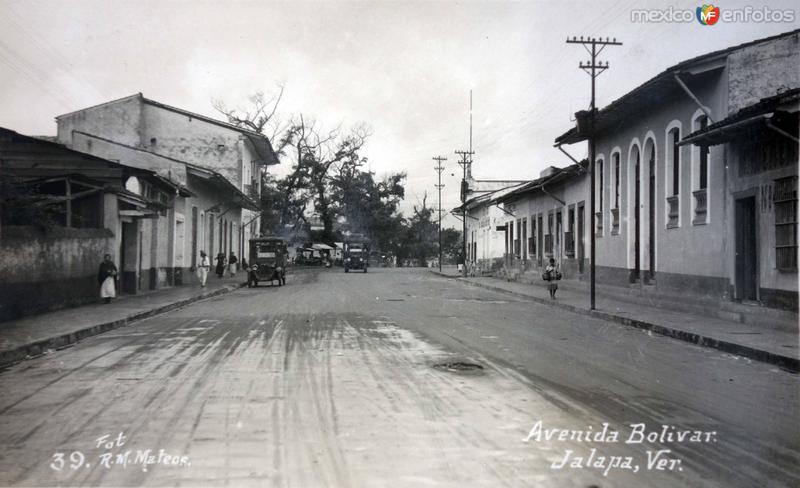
571,136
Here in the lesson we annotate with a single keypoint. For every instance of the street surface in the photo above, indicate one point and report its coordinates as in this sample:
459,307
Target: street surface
329,381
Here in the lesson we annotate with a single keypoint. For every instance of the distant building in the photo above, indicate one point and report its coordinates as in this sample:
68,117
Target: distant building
486,248
713,214
547,218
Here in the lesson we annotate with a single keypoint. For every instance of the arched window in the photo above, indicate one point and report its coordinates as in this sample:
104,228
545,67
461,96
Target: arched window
614,191
598,168
674,139
700,174
673,174
703,157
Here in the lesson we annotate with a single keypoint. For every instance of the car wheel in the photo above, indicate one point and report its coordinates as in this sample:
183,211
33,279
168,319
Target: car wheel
346,270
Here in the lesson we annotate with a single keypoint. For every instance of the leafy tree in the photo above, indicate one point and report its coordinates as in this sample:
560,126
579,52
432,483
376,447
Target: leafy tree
420,239
451,245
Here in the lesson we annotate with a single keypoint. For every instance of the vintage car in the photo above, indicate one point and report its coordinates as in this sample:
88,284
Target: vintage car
356,256
267,261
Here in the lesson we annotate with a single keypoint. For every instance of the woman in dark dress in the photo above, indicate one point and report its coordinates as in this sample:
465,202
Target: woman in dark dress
220,265
107,277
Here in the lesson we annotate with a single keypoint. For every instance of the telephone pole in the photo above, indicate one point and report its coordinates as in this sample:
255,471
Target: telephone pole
593,68
439,168
466,161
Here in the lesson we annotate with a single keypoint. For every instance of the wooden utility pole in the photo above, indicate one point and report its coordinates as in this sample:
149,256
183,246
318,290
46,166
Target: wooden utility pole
439,168
466,161
593,68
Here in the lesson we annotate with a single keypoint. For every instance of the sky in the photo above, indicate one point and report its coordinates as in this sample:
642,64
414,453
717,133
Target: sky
405,69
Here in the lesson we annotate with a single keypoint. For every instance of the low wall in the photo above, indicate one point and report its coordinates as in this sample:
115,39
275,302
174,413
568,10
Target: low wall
47,269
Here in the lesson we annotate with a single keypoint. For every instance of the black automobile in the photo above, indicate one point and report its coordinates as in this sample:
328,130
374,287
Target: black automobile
267,261
356,257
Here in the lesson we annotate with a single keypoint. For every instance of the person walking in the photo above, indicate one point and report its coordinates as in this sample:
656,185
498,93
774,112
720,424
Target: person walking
107,277
203,268
232,265
220,265
552,275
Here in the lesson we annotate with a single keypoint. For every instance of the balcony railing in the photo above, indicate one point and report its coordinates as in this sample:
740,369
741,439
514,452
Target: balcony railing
599,224
614,221
700,208
672,213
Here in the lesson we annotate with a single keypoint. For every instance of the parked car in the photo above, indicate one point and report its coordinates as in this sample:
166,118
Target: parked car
267,261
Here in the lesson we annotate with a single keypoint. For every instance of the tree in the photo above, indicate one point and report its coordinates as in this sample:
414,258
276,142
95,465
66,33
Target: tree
421,234
327,177
451,245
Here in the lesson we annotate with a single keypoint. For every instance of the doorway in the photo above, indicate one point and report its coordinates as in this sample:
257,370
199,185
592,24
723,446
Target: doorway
581,251
746,249
128,257
651,221
637,210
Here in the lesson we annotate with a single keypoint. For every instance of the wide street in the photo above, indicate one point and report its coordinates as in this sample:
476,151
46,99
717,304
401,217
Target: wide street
330,381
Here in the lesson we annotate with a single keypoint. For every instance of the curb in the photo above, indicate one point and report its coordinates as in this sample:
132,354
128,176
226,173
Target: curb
786,362
39,348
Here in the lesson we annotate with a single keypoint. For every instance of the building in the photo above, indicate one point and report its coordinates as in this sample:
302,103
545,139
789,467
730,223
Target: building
546,218
207,218
208,148
709,215
761,149
485,245
62,210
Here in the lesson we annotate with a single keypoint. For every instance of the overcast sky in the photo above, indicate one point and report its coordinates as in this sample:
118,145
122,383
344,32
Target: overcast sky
403,68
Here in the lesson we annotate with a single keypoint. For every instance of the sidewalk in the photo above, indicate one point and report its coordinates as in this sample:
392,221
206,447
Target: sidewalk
34,335
769,345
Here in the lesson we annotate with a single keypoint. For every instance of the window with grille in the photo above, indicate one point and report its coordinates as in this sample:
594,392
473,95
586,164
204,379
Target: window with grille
784,198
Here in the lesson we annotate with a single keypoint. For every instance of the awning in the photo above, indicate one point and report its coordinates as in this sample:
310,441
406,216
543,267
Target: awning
778,112
227,188
322,247
722,133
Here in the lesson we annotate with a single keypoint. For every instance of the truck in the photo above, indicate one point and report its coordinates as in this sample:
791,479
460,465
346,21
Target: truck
356,256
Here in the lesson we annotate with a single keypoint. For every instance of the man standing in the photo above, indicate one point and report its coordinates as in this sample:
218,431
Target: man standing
203,267
107,276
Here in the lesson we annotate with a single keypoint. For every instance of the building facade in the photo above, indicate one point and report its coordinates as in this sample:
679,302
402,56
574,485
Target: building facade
62,210
485,244
219,163
666,211
547,219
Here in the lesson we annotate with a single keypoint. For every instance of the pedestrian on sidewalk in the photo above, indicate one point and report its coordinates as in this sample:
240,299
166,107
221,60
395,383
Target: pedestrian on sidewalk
220,265
203,268
107,276
232,264
552,275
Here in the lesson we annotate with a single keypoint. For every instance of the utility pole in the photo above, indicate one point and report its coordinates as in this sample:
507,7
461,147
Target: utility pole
439,168
466,161
593,68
